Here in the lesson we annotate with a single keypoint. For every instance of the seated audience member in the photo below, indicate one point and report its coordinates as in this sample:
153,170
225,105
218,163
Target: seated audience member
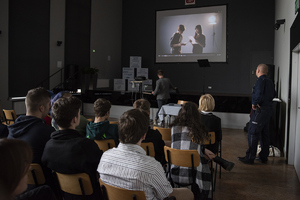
128,166
81,128
32,129
153,136
16,156
210,121
100,129
67,151
187,134
3,131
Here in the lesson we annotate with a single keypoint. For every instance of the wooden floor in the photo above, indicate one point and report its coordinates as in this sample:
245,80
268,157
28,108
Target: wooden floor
274,180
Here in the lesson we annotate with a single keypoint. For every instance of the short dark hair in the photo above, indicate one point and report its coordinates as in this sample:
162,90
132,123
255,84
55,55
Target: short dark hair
181,27
133,125
65,109
35,98
142,104
16,157
160,72
101,107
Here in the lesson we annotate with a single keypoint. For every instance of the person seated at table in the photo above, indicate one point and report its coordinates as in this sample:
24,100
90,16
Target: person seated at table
153,136
16,157
188,133
100,128
210,121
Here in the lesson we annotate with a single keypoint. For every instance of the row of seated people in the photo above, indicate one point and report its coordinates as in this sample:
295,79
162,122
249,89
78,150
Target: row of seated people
66,151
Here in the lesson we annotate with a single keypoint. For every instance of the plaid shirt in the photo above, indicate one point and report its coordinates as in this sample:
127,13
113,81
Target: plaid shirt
183,175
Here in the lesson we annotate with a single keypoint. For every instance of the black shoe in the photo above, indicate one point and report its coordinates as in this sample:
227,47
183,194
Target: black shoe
246,161
261,160
224,163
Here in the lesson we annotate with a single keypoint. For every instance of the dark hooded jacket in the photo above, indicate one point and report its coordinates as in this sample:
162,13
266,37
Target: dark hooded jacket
102,130
32,130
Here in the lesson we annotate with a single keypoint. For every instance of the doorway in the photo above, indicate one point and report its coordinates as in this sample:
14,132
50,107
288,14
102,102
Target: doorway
294,134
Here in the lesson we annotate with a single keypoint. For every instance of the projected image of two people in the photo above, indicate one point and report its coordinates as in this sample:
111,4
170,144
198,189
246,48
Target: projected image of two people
198,41
190,34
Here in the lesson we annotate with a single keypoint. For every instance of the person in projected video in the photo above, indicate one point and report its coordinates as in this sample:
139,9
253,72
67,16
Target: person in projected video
176,40
198,41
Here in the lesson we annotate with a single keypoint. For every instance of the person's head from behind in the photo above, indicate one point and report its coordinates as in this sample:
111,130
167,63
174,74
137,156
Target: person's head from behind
102,108
66,112
198,29
16,157
160,73
133,126
189,116
262,69
206,103
181,28
142,104
37,102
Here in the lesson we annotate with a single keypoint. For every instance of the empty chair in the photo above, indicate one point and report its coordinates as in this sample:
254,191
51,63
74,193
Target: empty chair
113,193
9,116
76,184
149,148
104,145
35,175
181,102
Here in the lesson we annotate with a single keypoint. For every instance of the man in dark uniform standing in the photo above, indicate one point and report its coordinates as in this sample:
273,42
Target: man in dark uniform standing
262,96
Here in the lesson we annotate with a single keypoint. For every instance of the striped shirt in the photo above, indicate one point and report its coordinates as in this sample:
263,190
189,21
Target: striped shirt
128,166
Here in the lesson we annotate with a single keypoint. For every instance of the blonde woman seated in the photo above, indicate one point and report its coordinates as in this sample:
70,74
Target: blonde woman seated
210,121
187,134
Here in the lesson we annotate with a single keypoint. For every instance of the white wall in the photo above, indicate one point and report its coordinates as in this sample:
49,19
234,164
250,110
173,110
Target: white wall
4,55
283,10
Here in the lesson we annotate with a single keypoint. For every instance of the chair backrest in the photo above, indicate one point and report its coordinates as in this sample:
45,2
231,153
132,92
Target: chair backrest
113,193
181,102
90,119
113,122
9,115
35,175
165,132
211,139
184,158
78,184
104,145
149,148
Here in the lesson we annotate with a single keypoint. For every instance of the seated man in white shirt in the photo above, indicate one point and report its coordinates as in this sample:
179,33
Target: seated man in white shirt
128,166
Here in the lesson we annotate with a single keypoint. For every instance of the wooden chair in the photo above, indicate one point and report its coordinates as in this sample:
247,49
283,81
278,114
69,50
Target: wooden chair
9,116
113,193
149,148
165,133
35,175
183,158
90,119
211,140
77,184
104,145
181,102
113,122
